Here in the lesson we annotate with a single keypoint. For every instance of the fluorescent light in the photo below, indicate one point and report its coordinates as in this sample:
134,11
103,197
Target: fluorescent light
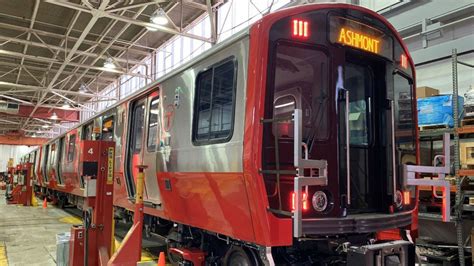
109,63
45,126
159,17
54,116
151,28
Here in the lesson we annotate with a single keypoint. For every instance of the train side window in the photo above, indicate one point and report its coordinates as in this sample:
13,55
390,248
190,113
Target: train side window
214,104
87,131
137,130
153,124
71,148
108,129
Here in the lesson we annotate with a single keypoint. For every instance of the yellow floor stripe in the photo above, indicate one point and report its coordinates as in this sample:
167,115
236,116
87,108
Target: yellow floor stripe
3,255
71,220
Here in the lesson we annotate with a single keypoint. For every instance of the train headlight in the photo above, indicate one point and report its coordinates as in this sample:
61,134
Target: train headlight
320,201
398,199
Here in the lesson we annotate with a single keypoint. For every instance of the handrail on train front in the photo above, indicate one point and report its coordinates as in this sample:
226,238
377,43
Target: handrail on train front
410,171
300,165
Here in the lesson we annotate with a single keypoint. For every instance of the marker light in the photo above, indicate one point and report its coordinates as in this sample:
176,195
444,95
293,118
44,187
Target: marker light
406,197
293,201
300,28
404,61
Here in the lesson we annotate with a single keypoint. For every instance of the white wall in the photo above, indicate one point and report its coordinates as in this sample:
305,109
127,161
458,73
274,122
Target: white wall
12,151
438,75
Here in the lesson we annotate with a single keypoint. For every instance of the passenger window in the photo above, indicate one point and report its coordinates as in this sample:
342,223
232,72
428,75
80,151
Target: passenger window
153,124
87,131
137,131
108,129
71,148
214,104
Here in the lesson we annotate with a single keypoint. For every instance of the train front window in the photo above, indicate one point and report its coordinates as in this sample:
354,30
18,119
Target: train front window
301,82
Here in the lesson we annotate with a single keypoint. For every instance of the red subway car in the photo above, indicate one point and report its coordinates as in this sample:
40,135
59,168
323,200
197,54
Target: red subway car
281,145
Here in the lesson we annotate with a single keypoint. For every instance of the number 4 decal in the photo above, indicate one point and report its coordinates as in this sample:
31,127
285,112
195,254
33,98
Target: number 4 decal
91,151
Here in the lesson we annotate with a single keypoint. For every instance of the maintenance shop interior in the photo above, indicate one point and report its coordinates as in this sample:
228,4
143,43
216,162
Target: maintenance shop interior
236,132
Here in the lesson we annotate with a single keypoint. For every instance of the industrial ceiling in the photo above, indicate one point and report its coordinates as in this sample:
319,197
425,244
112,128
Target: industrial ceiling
54,52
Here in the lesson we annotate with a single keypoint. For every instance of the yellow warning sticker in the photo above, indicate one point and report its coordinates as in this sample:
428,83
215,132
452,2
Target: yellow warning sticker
110,166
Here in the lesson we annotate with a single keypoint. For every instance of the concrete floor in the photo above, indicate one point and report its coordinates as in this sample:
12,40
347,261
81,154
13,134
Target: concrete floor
28,234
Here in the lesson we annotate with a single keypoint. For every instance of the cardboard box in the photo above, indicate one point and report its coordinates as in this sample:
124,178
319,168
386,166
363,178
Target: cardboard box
422,92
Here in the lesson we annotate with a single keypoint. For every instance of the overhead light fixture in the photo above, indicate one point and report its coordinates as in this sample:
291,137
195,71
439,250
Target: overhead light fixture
34,135
109,63
54,116
66,105
45,126
159,17
83,88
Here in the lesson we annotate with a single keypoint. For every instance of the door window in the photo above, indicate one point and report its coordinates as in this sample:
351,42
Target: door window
137,129
358,82
108,129
71,148
153,124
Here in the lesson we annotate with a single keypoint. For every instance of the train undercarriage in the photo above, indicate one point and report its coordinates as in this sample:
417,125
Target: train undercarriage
185,244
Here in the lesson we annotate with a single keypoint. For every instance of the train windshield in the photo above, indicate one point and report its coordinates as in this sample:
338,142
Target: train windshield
301,82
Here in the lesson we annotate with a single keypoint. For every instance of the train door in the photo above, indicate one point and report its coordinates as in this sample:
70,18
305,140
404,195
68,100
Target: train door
60,155
151,138
44,164
298,79
367,139
135,144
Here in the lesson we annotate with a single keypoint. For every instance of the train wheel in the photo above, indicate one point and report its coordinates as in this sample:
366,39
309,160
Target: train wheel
237,256
172,257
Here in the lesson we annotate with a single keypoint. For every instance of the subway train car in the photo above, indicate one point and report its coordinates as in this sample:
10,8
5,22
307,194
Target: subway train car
281,145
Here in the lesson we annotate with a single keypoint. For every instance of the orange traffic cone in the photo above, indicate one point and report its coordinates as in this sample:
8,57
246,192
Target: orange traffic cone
161,259
45,203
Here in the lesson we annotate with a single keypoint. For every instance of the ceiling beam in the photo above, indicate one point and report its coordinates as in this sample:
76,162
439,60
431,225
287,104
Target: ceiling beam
134,6
58,48
32,87
28,36
70,38
42,69
126,19
83,35
140,10
64,63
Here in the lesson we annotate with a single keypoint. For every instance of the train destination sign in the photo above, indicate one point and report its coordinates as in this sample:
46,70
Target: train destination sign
358,35
358,40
